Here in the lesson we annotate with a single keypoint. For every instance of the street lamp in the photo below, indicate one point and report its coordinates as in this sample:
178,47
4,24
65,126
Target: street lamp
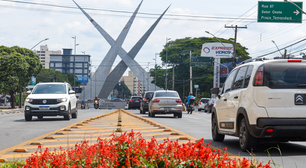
40,42
74,61
277,48
166,60
155,69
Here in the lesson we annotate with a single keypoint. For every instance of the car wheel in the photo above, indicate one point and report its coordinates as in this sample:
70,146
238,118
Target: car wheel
246,141
179,115
152,115
40,117
75,115
199,109
67,116
214,130
28,117
141,111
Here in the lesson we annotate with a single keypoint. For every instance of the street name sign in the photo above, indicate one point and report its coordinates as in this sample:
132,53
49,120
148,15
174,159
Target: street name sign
197,61
279,12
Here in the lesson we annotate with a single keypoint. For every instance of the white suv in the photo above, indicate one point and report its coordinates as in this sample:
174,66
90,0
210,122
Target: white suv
262,101
51,99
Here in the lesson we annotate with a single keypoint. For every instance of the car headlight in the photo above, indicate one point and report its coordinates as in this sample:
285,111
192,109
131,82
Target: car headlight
62,100
28,100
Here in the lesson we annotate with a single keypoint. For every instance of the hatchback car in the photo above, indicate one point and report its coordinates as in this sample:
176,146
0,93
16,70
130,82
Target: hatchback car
145,102
134,102
202,103
51,99
165,102
262,101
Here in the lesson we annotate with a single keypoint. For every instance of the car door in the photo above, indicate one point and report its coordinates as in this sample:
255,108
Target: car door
72,98
234,97
221,104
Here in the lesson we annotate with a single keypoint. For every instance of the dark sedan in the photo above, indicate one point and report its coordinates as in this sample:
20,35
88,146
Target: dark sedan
144,104
134,102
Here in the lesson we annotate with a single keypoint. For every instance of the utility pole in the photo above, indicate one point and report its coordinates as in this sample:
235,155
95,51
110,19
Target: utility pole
190,74
166,61
172,76
234,54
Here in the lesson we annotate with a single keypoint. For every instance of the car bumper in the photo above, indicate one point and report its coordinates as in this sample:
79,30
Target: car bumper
58,110
283,129
166,110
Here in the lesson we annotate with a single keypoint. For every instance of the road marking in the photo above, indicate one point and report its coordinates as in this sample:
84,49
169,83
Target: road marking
101,126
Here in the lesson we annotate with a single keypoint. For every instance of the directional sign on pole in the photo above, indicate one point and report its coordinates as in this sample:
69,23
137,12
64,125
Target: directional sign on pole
270,11
197,61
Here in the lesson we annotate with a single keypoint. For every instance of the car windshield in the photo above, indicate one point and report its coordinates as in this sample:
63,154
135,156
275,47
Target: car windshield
50,89
285,75
166,94
149,95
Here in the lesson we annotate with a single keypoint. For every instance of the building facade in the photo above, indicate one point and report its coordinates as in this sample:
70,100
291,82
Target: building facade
65,63
44,54
132,82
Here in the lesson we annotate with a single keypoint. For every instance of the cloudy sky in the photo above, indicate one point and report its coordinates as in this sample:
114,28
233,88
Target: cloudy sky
26,22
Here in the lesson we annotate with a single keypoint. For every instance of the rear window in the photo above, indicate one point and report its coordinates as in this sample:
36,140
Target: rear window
285,75
149,95
166,94
204,100
136,98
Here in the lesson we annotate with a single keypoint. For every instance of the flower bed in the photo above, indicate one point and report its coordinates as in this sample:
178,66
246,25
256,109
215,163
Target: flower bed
131,150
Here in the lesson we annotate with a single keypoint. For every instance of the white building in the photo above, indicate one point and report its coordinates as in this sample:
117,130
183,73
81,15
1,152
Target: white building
44,55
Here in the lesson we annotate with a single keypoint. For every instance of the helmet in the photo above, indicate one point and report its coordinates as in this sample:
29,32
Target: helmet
190,93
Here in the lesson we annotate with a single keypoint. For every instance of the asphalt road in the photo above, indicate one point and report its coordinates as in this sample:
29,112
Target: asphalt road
15,130
198,126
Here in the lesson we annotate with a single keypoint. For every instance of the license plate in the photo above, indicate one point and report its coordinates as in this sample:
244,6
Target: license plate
44,107
136,100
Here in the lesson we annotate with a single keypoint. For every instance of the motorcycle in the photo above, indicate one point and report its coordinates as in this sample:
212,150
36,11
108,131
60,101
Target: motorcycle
96,104
82,106
190,106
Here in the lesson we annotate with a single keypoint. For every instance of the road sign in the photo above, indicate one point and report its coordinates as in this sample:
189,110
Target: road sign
196,86
279,12
197,61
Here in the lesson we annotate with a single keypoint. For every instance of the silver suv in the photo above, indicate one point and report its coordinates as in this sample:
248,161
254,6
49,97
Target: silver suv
262,101
51,99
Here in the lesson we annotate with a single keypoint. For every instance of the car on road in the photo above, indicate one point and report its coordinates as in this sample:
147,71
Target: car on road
134,102
51,99
262,101
202,103
208,106
165,102
145,102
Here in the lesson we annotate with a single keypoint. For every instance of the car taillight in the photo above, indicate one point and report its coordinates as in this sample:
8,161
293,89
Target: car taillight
200,103
259,77
212,103
145,100
269,131
178,101
294,60
131,99
156,101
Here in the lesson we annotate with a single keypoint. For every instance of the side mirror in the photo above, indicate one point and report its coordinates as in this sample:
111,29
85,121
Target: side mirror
29,92
215,91
71,92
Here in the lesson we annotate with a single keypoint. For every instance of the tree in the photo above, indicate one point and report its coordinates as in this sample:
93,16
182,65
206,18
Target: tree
303,55
123,90
17,66
49,75
178,54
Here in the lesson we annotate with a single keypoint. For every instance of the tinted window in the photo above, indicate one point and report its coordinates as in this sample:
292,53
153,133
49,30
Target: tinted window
136,98
50,89
204,100
285,75
229,81
166,94
149,95
239,78
248,76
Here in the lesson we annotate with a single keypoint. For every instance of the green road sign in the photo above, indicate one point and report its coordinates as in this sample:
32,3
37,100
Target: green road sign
279,12
197,61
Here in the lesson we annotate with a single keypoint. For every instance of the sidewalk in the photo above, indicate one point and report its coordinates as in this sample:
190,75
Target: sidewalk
8,109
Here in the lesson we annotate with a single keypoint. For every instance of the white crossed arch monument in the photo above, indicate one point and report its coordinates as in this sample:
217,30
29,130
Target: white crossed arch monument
103,82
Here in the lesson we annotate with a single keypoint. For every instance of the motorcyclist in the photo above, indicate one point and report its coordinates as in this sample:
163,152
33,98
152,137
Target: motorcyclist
96,98
83,103
190,97
96,105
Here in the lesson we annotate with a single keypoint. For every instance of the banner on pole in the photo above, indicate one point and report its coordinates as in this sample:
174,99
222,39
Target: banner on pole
217,50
